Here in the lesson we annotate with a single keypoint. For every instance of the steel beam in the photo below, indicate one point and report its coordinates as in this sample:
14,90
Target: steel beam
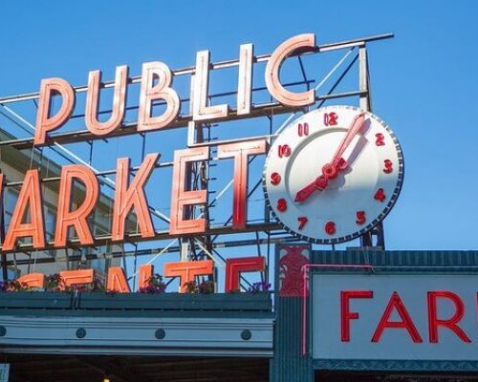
217,65
154,252
159,235
261,110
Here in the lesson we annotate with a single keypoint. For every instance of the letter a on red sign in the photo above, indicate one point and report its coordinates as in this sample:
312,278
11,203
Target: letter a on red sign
406,322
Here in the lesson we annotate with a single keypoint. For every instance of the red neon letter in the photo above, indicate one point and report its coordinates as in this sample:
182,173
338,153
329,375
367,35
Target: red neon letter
182,199
44,122
188,270
345,314
127,198
201,111
244,97
117,281
29,197
81,276
149,93
77,218
234,267
406,323
284,50
452,323
32,280
93,100
145,273
240,152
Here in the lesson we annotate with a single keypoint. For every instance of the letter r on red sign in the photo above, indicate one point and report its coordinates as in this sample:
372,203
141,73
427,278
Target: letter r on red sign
450,323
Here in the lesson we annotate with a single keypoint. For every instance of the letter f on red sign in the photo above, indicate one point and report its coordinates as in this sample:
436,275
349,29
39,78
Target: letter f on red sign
345,314
234,268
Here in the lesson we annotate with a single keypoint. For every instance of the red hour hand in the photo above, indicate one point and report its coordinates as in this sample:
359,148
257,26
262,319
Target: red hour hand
331,170
303,194
337,164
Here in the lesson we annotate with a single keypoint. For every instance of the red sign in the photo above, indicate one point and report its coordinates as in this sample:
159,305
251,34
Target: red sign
394,316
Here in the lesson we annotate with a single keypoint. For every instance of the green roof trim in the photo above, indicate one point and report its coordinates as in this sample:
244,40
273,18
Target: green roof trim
402,261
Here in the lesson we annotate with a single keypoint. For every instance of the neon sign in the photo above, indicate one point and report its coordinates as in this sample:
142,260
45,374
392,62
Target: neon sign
149,92
156,84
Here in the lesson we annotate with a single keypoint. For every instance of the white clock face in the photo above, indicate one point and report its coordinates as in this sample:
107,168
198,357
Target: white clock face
333,174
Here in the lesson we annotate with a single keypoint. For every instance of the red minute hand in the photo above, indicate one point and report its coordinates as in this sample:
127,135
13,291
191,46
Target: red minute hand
354,128
330,170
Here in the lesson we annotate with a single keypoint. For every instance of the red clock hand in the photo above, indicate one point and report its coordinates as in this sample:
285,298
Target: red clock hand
330,170
354,128
319,184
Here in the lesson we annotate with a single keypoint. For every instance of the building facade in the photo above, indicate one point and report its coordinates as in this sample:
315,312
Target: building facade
330,176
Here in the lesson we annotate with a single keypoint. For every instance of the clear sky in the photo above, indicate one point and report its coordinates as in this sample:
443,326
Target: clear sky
424,80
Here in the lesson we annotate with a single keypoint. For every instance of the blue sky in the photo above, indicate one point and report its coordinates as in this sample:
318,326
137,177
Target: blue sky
424,80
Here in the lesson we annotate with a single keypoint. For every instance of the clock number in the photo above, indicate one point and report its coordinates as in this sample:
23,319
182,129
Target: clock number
388,166
330,228
361,219
379,141
380,195
303,129
275,178
284,151
330,119
281,205
302,222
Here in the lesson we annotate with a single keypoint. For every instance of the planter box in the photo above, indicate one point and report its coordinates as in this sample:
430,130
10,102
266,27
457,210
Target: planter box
175,301
34,300
137,304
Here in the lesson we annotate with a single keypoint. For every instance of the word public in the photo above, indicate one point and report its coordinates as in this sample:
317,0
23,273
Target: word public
156,81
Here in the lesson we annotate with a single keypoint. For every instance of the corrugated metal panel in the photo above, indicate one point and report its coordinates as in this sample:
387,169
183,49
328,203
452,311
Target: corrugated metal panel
288,364
419,261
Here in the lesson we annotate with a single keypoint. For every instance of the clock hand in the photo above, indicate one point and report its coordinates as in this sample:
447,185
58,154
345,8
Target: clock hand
331,169
319,184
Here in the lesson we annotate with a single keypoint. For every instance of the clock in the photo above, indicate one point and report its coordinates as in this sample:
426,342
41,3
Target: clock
333,174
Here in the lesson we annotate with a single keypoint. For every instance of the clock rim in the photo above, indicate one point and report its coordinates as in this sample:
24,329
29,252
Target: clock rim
385,211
